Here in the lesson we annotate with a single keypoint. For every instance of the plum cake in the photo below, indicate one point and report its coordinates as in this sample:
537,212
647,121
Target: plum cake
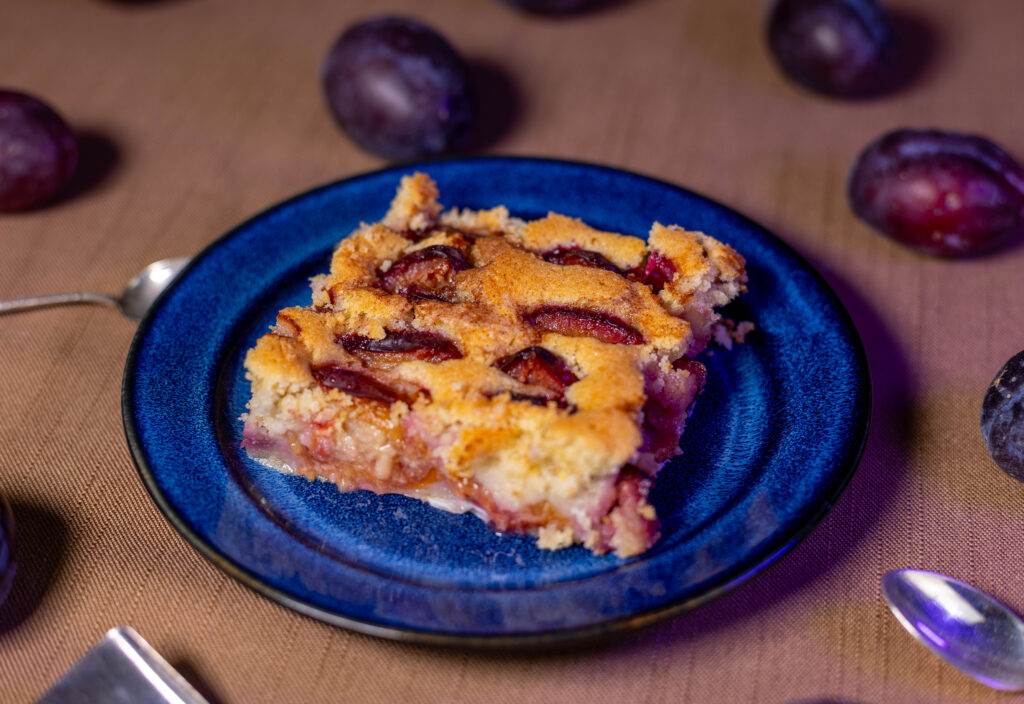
536,373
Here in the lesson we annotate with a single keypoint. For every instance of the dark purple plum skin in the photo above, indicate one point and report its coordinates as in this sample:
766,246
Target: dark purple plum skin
398,89
1002,417
941,193
841,48
354,383
38,152
427,346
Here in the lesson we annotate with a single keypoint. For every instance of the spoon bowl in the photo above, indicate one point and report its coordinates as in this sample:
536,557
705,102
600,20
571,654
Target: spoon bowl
144,288
136,298
967,628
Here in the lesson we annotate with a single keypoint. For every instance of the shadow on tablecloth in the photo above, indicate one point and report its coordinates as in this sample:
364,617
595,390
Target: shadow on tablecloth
41,538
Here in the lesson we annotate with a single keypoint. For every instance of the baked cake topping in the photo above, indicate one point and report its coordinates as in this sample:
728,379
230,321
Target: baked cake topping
535,373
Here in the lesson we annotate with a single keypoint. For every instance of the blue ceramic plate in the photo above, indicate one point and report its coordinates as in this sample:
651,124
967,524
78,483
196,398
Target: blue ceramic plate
773,441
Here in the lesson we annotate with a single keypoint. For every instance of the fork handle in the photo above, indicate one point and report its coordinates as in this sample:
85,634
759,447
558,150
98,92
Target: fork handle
18,305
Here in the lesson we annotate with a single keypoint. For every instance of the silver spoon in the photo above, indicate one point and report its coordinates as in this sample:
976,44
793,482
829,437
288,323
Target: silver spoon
133,302
965,627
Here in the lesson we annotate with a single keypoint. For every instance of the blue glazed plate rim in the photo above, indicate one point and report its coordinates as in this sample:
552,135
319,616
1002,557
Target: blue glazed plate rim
843,468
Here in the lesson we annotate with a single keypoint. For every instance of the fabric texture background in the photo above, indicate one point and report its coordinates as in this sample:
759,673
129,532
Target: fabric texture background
196,114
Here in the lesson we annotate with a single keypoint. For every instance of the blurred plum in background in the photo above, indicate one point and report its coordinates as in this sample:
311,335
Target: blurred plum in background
38,151
842,48
398,89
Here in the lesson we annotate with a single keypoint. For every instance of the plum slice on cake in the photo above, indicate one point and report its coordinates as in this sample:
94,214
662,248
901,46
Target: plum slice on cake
537,373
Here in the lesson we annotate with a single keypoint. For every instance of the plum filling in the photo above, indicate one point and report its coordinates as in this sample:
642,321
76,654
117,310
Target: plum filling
333,376
535,400
399,346
424,273
669,398
577,322
694,368
580,257
539,367
659,271
417,235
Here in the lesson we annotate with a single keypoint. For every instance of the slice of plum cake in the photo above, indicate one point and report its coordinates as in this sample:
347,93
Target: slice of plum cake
535,373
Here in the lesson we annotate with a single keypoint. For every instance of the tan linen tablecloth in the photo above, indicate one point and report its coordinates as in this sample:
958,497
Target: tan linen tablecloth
196,114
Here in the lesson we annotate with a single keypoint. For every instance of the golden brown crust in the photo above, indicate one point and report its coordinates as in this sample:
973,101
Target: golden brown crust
704,266
514,282
560,232
415,206
495,221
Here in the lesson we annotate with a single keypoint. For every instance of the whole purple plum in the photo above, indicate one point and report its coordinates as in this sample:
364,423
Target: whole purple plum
942,193
38,151
1002,417
398,89
841,48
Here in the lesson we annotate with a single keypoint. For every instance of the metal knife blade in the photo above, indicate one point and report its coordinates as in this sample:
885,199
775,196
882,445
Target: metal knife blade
122,669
